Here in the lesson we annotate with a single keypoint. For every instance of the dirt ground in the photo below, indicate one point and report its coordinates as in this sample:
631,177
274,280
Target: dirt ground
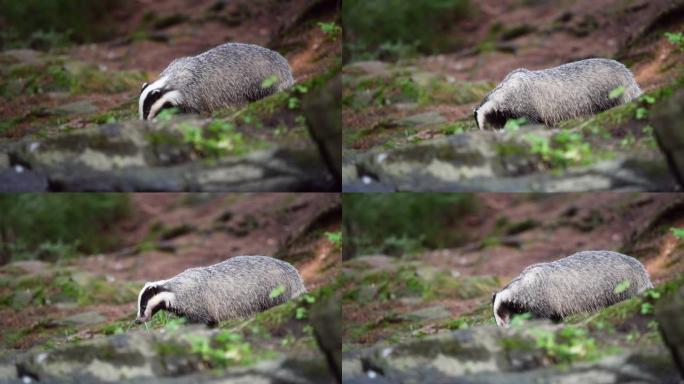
553,33
561,224
289,27
199,230
242,21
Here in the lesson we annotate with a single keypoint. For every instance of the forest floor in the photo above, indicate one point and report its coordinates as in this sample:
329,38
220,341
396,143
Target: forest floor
436,300
398,111
141,49
53,103
49,305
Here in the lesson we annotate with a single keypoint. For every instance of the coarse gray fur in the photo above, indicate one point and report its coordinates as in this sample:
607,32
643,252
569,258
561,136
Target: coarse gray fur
236,288
582,282
548,96
231,74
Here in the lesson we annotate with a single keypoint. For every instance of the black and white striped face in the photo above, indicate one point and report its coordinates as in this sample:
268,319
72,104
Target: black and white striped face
153,298
156,97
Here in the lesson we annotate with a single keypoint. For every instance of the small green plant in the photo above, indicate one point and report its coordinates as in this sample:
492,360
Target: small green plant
302,311
218,138
621,287
456,324
520,319
676,39
567,345
331,30
564,149
225,349
335,238
269,81
513,125
277,291
166,114
678,233
617,92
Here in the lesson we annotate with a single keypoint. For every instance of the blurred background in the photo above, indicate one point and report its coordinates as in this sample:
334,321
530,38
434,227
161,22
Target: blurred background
69,68
415,71
426,264
389,30
72,265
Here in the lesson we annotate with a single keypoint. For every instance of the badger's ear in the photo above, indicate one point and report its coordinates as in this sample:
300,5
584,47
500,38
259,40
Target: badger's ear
493,297
143,87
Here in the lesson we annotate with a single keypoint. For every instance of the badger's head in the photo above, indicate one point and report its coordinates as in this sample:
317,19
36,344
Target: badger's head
492,111
498,105
157,96
504,308
153,298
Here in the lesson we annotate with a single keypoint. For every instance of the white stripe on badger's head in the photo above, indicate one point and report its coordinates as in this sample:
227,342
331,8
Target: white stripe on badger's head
481,112
171,97
147,293
166,298
501,315
150,90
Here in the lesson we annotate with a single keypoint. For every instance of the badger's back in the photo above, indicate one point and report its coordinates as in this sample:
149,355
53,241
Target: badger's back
580,88
583,282
560,93
231,74
235,288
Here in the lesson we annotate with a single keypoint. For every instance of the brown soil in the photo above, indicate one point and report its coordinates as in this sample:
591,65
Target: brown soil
290,27
567,223
561,32
242,21
259,224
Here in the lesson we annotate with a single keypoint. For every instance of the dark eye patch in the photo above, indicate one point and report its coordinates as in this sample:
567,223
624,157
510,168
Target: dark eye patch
151,98
148,294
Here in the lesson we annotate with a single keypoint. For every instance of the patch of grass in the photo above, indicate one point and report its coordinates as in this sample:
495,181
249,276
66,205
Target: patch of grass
403,87
335,238
676,38
372,26
331,30
46,24
567,345
218,138
457,127
61,221
56,75
225,349
421,218
562,150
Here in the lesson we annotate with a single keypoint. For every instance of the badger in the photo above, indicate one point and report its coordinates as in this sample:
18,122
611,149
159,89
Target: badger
548,96
236,288
231,74
583,282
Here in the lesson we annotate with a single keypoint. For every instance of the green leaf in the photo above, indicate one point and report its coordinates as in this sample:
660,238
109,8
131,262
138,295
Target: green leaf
277,291
615,93
646,308
621,287
513,125
641,113
335,238
678,232
301,313
269,81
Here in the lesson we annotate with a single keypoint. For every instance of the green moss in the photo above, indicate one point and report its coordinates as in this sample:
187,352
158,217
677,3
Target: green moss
462,287
457,127
56,75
